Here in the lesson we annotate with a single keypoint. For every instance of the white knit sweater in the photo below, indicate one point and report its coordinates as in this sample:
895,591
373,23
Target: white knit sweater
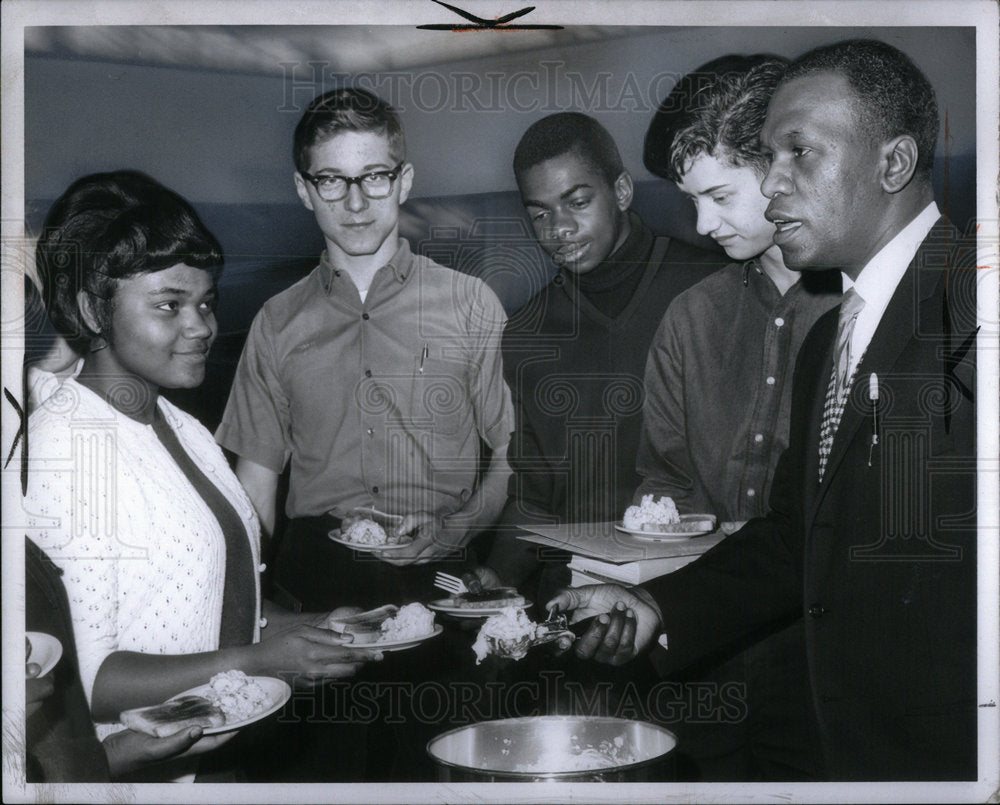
142,554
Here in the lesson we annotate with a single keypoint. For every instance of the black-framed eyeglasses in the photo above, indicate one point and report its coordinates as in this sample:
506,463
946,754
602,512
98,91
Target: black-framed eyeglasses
333,187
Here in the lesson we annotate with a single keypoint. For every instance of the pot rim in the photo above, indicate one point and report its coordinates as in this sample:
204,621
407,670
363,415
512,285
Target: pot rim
555,775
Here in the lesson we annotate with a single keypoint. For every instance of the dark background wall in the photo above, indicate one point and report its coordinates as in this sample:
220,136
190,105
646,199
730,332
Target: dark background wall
217,128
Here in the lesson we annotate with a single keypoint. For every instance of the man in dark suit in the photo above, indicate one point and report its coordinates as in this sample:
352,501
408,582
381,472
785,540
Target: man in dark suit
871,536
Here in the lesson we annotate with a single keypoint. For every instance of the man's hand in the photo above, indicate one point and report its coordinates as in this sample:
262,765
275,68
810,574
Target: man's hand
627,623
432,539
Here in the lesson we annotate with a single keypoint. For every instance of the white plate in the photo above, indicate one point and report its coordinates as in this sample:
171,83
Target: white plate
45,651
443,605
397,645
277,691
382,518
668,534
335,537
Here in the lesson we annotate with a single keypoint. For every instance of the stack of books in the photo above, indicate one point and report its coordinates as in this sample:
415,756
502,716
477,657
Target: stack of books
586,570
602,553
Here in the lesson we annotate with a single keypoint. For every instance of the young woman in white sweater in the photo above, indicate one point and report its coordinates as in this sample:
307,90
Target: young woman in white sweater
158,543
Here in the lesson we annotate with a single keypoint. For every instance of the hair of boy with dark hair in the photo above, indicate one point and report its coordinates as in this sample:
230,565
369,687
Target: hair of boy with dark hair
566,132
346,109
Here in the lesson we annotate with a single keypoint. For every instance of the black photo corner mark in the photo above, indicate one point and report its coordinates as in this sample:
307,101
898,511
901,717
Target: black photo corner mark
479,24
22,433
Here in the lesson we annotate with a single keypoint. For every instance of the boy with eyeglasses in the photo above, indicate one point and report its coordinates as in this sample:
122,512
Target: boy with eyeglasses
374,379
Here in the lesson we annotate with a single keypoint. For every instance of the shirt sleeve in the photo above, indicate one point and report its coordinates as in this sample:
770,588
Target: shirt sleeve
68,518
256,423
489,392
663,459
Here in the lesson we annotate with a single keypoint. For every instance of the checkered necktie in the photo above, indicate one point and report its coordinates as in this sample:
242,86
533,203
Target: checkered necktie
839,386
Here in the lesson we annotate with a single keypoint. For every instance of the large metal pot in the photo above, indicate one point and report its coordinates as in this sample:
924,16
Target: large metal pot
568,748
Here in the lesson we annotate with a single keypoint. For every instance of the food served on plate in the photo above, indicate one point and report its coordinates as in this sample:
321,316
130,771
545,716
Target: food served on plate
413,620
171,717
386,624
237,695
488,599
509,633
365,627
368,532
651,515
229,698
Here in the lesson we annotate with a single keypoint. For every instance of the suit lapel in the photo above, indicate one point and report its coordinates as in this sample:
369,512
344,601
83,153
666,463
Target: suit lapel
897,328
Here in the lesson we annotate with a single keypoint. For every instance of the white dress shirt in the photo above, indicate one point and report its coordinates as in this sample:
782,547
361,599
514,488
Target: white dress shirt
878,279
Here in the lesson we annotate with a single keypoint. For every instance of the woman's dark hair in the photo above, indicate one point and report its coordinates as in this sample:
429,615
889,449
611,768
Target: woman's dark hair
112,226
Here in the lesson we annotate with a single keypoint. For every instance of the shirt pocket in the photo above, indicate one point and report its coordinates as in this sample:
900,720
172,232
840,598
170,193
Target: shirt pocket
439,400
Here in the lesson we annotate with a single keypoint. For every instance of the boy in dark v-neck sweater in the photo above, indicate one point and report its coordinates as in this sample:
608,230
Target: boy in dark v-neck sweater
575,354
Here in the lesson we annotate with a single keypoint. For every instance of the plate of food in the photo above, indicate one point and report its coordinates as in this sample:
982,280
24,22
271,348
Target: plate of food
43,650
231,700
658,520
690,525
392,543
370,535
388,628
480,605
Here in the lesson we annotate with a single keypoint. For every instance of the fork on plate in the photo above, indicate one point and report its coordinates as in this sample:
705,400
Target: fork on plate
450,584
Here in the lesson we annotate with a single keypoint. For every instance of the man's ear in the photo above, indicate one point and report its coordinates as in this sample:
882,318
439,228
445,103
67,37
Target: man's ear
623,191
898,163
302,190
405,181
89,317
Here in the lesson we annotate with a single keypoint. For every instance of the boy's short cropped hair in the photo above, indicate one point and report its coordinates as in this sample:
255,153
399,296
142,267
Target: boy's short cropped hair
716,110
562,133
346,109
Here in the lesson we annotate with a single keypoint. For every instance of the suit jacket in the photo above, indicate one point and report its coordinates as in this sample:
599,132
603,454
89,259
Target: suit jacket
879,558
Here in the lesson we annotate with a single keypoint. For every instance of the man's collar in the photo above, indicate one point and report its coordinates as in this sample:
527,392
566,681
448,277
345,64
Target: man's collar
401,264
882,273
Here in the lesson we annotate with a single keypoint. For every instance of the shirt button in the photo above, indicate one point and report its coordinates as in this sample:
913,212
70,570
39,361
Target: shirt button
365,316
751,493
262,623
817,610
261,567
558,280
759,438
779,322
770,381
370,431
374,490
368,372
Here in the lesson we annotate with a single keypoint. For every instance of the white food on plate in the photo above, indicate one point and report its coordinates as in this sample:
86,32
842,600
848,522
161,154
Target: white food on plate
237,695
651,513
509,632
366,532
412,620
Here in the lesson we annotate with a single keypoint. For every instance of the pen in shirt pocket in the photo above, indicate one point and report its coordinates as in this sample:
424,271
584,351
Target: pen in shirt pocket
423,356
